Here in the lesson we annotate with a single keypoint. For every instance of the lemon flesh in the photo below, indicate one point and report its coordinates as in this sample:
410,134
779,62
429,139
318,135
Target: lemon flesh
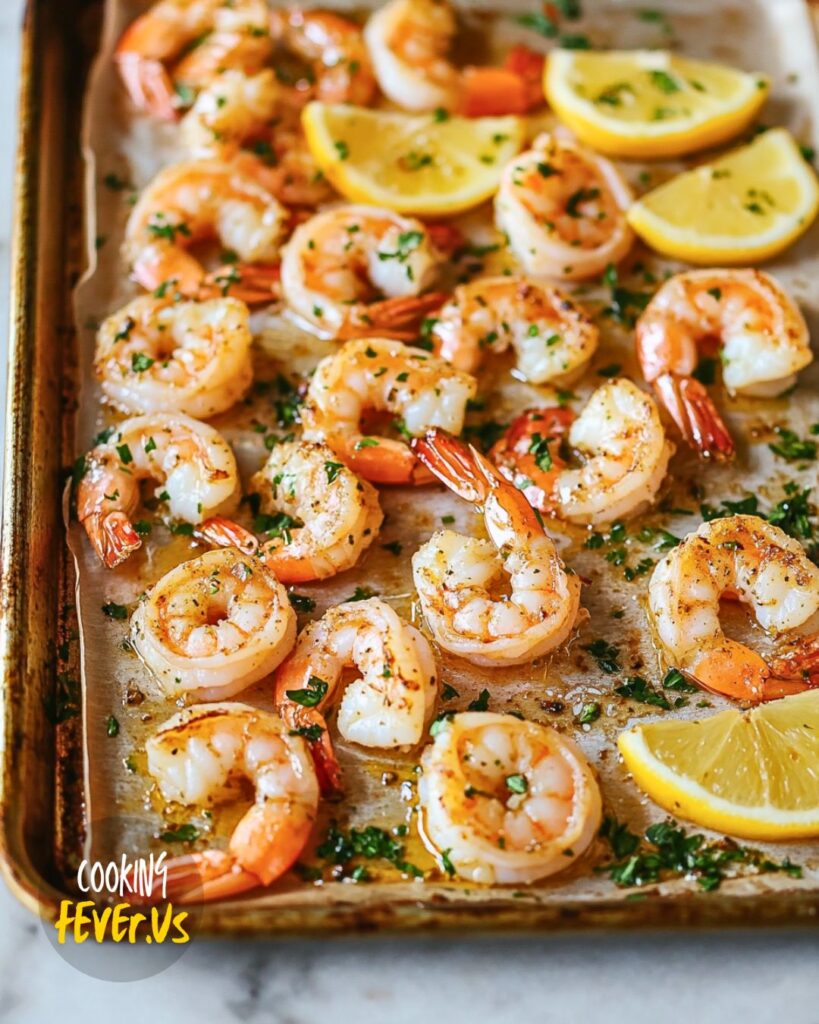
423,164
650,103
745,207
752,774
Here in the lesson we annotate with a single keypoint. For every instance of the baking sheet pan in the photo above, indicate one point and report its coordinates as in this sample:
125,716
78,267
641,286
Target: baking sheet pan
43,840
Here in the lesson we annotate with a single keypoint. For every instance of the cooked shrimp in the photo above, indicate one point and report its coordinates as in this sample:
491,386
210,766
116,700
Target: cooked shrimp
563,209
382,376
190,461
761,333
244,118
197,758
334,47
200,199
158,355
553,338
620,442
456,577
620,439
530,453
214,625
233,108
327,517
339,265
387,706
179,45
408,41
747,558
507,801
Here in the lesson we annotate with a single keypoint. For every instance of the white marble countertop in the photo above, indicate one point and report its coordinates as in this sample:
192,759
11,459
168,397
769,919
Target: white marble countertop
758,978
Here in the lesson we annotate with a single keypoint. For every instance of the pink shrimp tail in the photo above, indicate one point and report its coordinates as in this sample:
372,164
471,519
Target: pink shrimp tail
397,318
691,408
224,533
253,283
199,877
148,84
112,536
454,463
292,675
389,463
472,476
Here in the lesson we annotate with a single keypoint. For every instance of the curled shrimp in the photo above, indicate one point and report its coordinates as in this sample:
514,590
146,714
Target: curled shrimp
376,375
507,801
197,758
563,209
409,40
233,109
339,265
177,46
619,442
331,516
190,461
214,625
243,118
387,706
530,453
456,576
747,558
761,333
340,70
157,355
553,338
203,199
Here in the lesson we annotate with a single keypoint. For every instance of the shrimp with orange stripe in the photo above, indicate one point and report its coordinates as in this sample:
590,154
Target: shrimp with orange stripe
745,558
409,42
553,338
179,47
457,577
324,517
618,447
758,329
373,377
197,758
355,271
199,200
387,706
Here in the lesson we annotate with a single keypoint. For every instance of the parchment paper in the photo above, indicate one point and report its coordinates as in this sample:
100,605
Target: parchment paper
124,812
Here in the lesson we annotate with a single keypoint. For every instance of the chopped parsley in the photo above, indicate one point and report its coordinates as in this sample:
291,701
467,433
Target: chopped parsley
301,602
313,694
481,702
605,654
667,851
183,834
793,448
371,843
625,304
663,81
639,689
115,611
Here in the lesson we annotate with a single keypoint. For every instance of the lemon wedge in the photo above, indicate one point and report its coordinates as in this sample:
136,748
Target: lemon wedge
650,103
751,774
747,206
411,163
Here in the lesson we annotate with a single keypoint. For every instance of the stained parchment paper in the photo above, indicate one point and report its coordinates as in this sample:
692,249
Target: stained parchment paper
123,810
